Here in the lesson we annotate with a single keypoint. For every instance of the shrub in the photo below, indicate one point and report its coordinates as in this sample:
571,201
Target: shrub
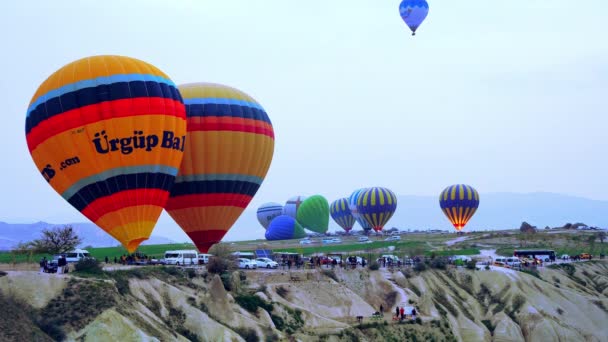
487,267
419,267
517,303
2,273
222,260
283,292
439,263
89,266
251,303
247,334
331,274
374,266
191,273
279,323
489,325
560,311
471,264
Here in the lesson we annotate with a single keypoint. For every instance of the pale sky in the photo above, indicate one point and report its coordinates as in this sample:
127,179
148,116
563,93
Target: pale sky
503,95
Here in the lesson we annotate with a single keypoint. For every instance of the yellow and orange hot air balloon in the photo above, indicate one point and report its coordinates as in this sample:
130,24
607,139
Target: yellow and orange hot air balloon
459,202
107,133
229,148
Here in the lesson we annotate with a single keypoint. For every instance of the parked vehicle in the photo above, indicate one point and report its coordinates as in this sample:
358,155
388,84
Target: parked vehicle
204,258
305,242
247,263
363,239
393,238
584,256
75,255
181,257
513,262
266,263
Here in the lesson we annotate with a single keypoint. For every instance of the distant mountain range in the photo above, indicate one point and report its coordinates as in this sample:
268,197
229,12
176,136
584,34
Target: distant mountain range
13,233
496,211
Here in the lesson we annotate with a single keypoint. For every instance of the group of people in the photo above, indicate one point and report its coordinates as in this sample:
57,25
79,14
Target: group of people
51,266
400,313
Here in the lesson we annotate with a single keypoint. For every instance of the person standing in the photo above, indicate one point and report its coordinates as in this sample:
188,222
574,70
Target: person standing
397,312
381,309
402,314
42,264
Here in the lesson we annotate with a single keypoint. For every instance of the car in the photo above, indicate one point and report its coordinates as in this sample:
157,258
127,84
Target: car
363,239
327,240
75,255
337,240
393,238
247,263
266,263
305,242
564,257
513,262
584,256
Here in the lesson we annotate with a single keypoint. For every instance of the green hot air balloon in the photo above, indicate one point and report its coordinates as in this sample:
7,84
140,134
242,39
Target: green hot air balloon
313,214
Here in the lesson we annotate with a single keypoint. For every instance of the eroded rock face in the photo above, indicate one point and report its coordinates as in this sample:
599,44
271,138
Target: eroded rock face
501,305
37,289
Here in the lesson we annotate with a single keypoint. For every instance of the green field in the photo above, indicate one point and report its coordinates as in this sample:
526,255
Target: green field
419,243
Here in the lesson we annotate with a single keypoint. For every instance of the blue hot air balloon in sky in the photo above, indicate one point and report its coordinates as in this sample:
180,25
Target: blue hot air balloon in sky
459,202
413,12
284,227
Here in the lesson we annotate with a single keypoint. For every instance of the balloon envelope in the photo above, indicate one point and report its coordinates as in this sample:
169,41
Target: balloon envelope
284,227
352,204
293,205
267,212
340,212
107,133
413,13
459,202
229,148
377,206
314,214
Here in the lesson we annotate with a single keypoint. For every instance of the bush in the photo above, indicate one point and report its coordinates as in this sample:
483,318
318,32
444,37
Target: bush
283,292
487,267
489,325
560,311
419,267
88,265
222,260
517,303
471,264
374,266
2,273
247,334
191,273
251,303
330,274
439,263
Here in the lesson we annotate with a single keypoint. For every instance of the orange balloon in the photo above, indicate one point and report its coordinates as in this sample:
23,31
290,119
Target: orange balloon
107,133
229,148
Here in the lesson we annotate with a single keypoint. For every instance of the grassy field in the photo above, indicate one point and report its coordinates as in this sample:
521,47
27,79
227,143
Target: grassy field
567,242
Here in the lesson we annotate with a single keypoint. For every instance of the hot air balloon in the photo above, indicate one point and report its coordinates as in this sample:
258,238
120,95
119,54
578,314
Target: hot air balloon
377,206
229,148
267,212
314,214
292,205
107,133
340,212
459,202
284,227
352,205
413,13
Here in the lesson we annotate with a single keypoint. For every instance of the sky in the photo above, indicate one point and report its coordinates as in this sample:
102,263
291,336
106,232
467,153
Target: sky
508,96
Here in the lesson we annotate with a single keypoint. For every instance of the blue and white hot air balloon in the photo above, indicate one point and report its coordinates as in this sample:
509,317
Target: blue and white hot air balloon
268,211
413,12
352,205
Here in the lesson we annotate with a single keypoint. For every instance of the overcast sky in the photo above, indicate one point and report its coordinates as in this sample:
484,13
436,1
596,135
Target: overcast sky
503,95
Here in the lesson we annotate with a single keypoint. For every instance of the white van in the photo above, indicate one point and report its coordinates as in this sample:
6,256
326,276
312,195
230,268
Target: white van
75,255
203,259
181,257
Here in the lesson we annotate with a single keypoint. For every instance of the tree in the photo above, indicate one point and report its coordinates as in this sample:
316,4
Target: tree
56,240
601,236
222,260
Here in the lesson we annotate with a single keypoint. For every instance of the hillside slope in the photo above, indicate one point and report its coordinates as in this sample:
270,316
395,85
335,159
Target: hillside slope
167,304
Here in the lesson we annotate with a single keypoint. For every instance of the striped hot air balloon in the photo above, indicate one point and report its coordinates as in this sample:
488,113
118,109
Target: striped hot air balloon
267,212
293,205
459,202
340,212
352,204
229,148
377,206
107,133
